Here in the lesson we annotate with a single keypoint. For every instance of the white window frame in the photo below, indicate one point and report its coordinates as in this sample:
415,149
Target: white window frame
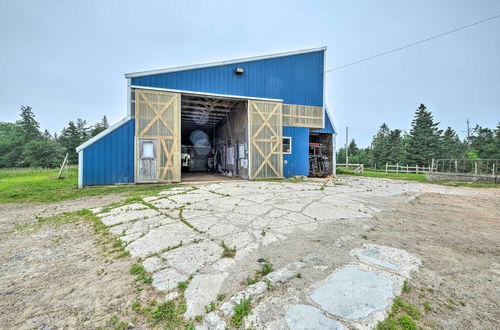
290,152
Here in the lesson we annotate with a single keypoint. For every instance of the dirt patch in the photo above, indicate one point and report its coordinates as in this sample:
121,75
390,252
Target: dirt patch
13,214
456,238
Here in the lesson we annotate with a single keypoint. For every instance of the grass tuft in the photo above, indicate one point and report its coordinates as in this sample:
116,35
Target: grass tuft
241,310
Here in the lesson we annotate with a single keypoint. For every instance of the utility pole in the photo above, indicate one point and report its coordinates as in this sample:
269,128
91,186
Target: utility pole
347,148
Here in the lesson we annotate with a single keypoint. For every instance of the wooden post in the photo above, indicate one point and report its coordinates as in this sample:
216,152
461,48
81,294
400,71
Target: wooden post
397,168
386,168
456,166
407,169
432,165
493,170
416,168
475,167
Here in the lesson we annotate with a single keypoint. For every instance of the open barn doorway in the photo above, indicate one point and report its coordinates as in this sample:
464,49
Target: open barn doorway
214,137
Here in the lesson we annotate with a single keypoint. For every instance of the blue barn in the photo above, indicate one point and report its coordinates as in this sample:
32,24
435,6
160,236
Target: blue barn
253,118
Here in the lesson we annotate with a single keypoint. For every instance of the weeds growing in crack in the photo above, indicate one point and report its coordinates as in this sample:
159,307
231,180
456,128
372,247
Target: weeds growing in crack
184,220
241,310
142,274
227,251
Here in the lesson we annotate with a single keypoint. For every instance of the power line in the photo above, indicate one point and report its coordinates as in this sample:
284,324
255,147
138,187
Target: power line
414,43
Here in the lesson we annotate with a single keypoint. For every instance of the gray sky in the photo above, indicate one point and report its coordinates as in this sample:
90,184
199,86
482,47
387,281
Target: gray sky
66,59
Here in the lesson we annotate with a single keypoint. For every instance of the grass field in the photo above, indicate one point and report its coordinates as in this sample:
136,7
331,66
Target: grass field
42,185
414,177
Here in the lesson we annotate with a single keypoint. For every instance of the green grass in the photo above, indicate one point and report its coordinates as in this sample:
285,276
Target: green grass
42,185
415,177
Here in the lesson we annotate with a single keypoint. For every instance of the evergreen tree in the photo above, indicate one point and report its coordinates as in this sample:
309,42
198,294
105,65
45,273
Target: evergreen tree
424,139
482,142
353,148
451,146
380,146
46,135
70,138
30,128
83,129
395,143
11,141
99,127
497,142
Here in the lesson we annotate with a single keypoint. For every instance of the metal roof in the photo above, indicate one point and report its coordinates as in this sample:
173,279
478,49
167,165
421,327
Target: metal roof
212,64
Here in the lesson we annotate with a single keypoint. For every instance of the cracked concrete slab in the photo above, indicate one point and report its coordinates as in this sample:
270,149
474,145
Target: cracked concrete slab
167,279
162,238
202,290
305,317
352,293
193,257
125,216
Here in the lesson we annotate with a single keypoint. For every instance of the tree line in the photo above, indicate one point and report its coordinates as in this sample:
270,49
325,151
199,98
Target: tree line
422,143
24,144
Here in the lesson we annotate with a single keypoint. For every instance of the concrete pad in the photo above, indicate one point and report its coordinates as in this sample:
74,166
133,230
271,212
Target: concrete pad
324,212
165,203
141,225
353,293
393,259
213,322
125,216
152,264
193,257
161,238
304,317
202,289
167,279
280,276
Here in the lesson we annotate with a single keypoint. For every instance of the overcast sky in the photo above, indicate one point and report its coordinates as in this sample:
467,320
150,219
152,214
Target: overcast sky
66,59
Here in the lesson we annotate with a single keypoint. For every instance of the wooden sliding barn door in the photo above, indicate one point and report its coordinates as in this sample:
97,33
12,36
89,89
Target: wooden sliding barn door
157,121
265,140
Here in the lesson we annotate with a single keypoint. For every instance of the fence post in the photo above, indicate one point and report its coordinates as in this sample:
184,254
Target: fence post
407,169
416,168
432,165
456,166
493,170
386,168
475,167
397,168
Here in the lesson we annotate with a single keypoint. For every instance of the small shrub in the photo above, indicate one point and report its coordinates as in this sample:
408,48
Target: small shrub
136,306
221,296
427,306
406,287
241,310
210,307
182,285
407,323
137,269
266,269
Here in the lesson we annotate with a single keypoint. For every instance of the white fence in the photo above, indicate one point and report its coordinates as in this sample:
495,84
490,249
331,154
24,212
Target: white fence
408,169
357,168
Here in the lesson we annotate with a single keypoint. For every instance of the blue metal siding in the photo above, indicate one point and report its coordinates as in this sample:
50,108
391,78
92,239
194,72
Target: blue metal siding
328,126
297,163
110,160
296,79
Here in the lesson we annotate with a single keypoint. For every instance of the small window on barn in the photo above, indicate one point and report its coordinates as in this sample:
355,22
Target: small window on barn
148,150
287,145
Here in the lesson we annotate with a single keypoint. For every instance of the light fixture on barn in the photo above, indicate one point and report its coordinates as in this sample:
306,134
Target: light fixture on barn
239,70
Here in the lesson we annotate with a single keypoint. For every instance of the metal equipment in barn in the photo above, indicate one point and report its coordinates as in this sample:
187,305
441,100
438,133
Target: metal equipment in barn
318,161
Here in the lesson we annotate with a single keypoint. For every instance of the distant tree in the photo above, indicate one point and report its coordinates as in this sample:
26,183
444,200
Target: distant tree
362,156
70,138
83,129
42,153
451,146
482,142
424,139
353,148
99,127
395,147
11,141
380,146
30,128
46,135
497,142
